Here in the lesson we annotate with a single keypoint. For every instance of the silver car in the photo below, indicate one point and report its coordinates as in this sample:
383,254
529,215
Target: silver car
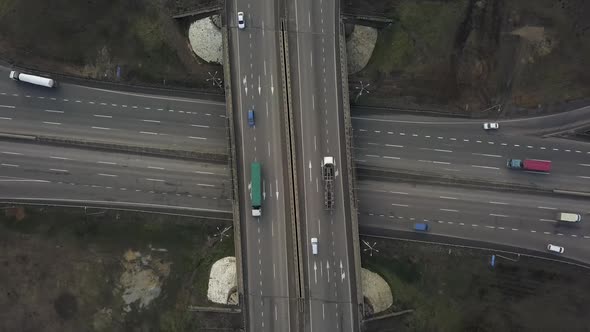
241,23
491,125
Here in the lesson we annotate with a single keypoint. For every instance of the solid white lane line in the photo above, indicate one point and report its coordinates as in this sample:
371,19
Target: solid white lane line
58,170
12,153
499,203
4,118
155,180
585,165
7,106
151,121
402,205
397,146
398,192
202,172
486,167
106,162
449,210
388,157
200,126
441,162
195,137
155,167
101,128
52,123
546,208
441,150
103,116
498,215
53,111
9,165
488,155
59,158
148,132
446,197
205,185
108,175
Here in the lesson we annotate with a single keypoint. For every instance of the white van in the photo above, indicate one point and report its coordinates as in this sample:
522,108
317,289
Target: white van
33,79
568,217
314,245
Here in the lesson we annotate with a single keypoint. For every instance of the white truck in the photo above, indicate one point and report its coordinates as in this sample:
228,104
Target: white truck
328,171
33,79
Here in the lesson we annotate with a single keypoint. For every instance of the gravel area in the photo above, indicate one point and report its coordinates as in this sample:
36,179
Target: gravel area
206,40
376,291
223,281
359,47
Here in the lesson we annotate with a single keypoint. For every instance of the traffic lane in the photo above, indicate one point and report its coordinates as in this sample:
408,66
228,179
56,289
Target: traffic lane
537,214
109,117
66,155
153,139
492,142
489,169
13,188
269,280
58,121
456,153
575,247
79,95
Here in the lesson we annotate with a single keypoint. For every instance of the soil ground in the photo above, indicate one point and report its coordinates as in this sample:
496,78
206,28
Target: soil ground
62,270
465,56
454,289
93,38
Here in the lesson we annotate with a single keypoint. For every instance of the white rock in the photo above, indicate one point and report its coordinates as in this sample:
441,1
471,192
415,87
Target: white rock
376,290
359,47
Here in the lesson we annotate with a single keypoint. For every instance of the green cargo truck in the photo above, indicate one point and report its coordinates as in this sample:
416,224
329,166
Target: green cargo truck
255,189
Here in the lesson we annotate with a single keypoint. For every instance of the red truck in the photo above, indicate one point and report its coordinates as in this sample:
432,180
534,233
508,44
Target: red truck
530,165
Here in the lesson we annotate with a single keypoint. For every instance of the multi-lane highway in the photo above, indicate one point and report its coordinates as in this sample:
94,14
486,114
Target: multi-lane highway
314,55
502,217
97,115
271,276
64,174
462,149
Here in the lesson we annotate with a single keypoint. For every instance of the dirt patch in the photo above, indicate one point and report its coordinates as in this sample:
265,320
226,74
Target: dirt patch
452,289
129,41
96,270
469,55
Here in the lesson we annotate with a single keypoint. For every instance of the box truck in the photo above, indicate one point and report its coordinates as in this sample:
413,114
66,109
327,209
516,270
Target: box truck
33,79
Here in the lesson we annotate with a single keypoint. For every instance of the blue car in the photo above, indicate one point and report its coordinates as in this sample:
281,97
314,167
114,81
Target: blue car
251,118
421,227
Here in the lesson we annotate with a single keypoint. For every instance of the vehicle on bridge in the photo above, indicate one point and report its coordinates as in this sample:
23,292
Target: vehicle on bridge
530,165
328,171
241,23
33,79
255,189
314,245
251,117
569,217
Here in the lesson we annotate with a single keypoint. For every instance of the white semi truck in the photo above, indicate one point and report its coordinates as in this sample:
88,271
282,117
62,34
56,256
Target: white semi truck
33,79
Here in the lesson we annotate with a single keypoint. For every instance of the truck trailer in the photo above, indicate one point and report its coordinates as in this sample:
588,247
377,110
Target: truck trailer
33,79
530,165
255,189
328,171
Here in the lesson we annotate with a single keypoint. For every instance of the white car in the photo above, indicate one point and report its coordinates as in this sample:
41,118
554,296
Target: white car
241,23
555,248
314,245
491,125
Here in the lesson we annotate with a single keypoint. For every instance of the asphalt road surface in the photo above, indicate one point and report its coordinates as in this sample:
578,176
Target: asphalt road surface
267,249
69,174
317,102
91,114
499,217
462,149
